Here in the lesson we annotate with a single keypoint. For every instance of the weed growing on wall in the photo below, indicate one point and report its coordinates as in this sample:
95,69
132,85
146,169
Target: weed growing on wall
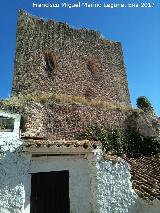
139,145
21,101
143,103
118,142
110,138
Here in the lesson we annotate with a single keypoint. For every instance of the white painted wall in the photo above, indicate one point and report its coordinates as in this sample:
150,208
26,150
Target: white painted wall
114,190
15,178
13,169
10,140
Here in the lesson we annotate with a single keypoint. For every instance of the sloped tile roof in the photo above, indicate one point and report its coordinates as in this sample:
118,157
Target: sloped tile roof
86,144
146,176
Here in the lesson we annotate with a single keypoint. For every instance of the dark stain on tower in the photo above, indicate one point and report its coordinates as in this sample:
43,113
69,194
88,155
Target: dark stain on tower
52,57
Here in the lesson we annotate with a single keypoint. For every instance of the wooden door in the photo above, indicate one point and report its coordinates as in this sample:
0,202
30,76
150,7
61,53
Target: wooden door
50,192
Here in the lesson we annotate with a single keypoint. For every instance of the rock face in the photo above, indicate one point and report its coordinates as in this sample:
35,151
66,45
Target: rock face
149,124
53,57
146,123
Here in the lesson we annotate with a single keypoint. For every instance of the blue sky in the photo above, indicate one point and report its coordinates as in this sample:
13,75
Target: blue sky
138,29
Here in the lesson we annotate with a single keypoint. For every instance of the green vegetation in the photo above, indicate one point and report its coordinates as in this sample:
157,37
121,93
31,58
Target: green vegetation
61,98
119,142
143,103
140,145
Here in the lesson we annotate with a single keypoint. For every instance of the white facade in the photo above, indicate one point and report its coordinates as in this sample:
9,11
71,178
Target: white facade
79,179
13,169
95,185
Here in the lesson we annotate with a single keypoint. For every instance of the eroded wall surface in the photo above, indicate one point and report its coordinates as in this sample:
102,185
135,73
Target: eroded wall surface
14,167
53,57
66,121
114,189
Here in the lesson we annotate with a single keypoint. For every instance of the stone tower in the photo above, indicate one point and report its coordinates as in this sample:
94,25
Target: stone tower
52,57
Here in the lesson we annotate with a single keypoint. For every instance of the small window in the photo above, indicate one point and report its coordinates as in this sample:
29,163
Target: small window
6,124
50,64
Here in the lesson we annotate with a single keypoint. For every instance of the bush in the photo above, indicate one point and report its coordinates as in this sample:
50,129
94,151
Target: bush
95,132
138,145
129,142
109,137
143,103
115,139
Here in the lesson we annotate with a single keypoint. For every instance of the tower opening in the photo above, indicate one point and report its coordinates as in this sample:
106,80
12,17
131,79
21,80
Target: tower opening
50,64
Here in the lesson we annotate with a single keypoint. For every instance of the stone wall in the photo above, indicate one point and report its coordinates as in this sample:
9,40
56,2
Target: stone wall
53,120
66,121
53,57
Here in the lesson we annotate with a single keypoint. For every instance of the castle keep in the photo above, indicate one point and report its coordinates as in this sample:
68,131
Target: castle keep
52,57
65,80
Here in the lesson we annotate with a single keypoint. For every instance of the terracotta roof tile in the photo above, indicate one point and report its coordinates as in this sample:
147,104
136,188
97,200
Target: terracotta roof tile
59,143
146,176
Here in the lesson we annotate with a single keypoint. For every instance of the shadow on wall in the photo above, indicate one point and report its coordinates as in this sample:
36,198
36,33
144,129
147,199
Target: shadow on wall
153,207
14,181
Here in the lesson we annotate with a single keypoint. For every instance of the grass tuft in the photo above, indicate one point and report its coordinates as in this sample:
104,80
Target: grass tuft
21,101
